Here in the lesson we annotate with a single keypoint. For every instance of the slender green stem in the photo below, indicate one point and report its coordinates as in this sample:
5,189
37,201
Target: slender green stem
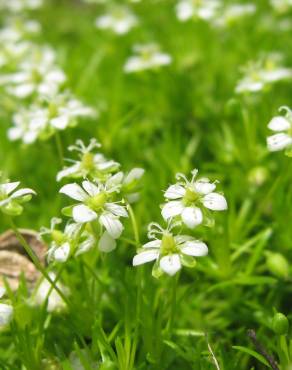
59,147
134,225
173,302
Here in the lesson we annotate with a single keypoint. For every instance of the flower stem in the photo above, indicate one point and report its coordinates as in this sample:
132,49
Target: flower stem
173,302
134,225
59,147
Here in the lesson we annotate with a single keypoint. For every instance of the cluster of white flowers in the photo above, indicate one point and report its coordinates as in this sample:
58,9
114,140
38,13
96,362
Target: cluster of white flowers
183,207
102,199
29,73
147,56
263,73
17,6
281,6
282,139
6,310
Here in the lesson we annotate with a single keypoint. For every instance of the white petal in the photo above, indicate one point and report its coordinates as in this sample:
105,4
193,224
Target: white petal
6,312
171,209
192,216
175,191
91,188
204,186
85,246
114,180
278,142
112,224
134,174
68,171
22,192
107,243
74,191
170,264
153,244
82,213
279,124
61,122
145,256
116,209
215,201
8,187
61,254
195,248
2,291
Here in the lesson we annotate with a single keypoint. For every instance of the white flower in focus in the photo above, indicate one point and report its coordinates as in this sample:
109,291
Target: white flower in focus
120,20
11,199
186,198
203,9
55,301
95,204
283,128
35,75
6,311
90,164
147,56
263,73
169,251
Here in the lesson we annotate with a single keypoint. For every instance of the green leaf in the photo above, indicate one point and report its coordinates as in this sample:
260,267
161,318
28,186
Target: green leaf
254,354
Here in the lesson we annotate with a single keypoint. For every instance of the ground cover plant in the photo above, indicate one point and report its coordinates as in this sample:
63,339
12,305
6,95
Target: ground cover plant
145,192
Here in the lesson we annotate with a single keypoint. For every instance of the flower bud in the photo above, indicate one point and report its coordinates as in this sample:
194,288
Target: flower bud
280,324
258,176
278,265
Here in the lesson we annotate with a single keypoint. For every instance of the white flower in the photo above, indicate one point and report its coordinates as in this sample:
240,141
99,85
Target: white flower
283,126
265,72
281,6
92,165
6,311
120,20
186,198
170,251
233,12
37,74
10,198
147,56
203,9
95,204
46,291
16,6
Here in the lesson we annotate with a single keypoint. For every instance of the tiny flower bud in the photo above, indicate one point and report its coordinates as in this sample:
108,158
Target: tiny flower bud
258,176
277,265
280,324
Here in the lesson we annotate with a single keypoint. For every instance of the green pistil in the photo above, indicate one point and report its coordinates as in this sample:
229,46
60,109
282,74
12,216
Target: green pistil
87,161
36,77
53,110
190,197
97,202
58,237
168,245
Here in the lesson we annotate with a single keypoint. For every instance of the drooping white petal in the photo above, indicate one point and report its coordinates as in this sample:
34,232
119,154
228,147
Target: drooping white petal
172,209
116,209
106,243
204,187
175,191
68,171
91,188
8,187
194,248
86,245
278,142
170,264
114,180
6,312
21,192
279,123
192,216
134,174
61,254
74,191
82,213
145,256
112,224
215,202
153,244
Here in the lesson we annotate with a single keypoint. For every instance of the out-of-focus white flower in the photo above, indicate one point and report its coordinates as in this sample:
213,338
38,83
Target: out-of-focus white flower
6,311
55,301
37,74
95,204
263,73
203,9
185,200
16,6
283,128
168,250
281,6
147,56
90,165
233,12
11,199
120,20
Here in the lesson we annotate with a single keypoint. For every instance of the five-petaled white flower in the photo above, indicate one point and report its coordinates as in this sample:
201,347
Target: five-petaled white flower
185,199
119,19
147,56
203,9
283,126
90,165
6,311
168,250
95,204
10,198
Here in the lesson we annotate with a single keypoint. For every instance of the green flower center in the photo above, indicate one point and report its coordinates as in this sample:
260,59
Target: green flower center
168,244
58,237
53,110
190,197
87,161
97,202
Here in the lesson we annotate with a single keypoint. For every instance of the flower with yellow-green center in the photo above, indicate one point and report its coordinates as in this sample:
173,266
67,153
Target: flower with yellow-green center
170,251
11,199
188,199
